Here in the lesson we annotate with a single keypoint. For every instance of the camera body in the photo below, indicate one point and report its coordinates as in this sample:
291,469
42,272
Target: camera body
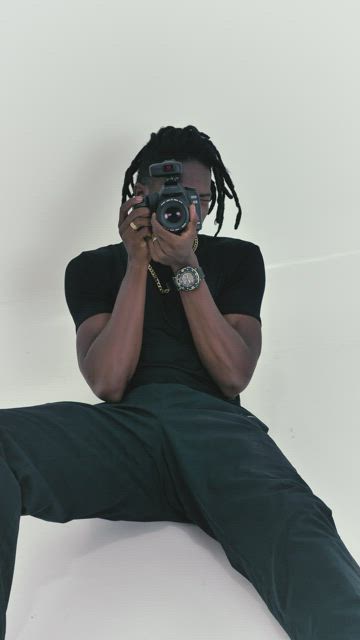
171,204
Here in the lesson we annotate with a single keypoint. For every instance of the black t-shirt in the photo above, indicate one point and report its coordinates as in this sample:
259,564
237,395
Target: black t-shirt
235,275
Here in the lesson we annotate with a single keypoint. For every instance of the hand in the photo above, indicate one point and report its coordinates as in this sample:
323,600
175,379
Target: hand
172,249
135,239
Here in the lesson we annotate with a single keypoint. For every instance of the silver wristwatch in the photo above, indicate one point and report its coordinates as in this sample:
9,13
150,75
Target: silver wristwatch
188,278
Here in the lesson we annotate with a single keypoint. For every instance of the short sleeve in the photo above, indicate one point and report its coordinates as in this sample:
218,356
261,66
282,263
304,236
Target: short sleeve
87,286
243,287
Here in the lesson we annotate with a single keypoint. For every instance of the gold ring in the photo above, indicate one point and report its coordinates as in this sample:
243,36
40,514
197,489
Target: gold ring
133,225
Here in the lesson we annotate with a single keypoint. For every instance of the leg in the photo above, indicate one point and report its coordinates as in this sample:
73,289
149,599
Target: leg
235,483
70,460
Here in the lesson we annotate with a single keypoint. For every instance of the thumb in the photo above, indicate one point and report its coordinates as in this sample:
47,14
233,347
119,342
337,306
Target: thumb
193,220
193,216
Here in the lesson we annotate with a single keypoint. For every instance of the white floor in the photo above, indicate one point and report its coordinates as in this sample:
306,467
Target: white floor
97,579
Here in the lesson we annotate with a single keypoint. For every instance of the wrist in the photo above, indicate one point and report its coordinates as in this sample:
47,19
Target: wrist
138,266
191,261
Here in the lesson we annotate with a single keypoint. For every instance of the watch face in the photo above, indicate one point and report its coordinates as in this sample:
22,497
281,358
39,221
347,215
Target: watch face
188,279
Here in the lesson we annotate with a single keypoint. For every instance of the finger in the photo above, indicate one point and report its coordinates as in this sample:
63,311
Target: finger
124,209
155,223
155,243
193,216
141,218
153,249
194,219
158,245
135,200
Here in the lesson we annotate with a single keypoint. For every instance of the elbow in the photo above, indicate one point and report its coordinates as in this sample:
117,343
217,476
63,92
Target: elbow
110,395
242,379
237,387
233,392
107,397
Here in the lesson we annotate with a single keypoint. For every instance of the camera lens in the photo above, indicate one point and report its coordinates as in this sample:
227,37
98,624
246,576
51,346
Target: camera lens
173,214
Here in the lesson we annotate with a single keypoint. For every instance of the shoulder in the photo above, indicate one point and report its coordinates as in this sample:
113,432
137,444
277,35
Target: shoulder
104,257
233,250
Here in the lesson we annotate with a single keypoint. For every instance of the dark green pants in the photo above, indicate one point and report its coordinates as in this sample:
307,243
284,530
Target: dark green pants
168,452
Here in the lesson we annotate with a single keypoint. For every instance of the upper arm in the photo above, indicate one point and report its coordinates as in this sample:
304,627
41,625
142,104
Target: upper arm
240,301
89,287
249,328
88,330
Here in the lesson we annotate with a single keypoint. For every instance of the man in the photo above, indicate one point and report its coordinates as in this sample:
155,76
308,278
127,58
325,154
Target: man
168,335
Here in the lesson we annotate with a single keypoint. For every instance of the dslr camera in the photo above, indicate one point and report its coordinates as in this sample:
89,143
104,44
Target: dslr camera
171,204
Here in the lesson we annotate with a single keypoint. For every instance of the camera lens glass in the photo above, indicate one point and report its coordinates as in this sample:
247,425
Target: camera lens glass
173,214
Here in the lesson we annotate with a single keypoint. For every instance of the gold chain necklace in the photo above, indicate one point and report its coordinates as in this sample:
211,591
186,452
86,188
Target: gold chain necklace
152,271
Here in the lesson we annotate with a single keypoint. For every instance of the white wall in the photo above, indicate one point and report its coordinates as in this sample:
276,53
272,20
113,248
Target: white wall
276,86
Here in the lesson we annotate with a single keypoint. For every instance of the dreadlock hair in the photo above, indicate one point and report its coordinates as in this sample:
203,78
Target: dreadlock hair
186,143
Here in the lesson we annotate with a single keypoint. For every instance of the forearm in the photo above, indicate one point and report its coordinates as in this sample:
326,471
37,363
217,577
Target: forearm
114,354
221,349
